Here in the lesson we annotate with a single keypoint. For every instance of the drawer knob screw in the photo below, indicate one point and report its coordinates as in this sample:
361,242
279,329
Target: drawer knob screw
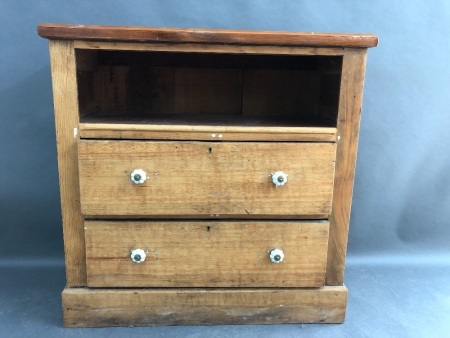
138,255
138,176
276,255
279,178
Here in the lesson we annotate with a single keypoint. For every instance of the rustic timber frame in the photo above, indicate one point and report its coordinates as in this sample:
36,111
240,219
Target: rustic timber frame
340,58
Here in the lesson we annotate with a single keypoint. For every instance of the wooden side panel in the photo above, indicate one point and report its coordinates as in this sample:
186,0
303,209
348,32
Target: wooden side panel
330,70
86,94
142,307
86,63
350,101
206,254
63,67
205,178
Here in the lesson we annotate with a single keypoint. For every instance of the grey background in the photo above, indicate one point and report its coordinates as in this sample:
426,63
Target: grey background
398,254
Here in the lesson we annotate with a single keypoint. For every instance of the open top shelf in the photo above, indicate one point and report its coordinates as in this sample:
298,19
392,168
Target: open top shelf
190,95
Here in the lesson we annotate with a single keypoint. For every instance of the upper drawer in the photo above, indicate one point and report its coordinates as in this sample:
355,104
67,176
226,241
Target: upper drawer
219,179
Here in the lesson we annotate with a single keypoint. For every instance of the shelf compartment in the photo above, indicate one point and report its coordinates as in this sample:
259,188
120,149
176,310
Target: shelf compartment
142,86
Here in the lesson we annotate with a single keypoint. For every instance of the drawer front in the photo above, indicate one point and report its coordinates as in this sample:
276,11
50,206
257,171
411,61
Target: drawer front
223,179
206,254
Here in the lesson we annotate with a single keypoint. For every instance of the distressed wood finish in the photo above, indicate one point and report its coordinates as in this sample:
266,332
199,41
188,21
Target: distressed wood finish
209,115
205,178
206,254
352,83
141,307
206,48
142,131
62,57
176,35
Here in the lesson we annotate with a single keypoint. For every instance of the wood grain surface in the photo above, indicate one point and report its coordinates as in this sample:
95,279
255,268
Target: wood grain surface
139,307
62,58
178,35
206,254
217,48
183,129
207,179
208,214
352,83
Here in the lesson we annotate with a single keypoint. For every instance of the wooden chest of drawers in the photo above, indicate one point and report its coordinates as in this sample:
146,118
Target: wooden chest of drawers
206,176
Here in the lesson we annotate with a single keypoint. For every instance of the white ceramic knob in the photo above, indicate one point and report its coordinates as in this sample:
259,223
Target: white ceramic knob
138,255
279,178
138,176
276,255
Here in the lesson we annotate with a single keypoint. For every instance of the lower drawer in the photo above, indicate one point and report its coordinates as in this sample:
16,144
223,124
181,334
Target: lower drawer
206,254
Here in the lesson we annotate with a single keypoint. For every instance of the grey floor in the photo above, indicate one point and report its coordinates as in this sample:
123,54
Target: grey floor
388,297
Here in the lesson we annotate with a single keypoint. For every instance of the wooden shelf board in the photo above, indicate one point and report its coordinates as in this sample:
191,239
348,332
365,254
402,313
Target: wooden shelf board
205,127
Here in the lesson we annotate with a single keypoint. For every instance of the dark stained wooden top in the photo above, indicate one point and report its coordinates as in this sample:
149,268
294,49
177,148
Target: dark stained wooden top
205,36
